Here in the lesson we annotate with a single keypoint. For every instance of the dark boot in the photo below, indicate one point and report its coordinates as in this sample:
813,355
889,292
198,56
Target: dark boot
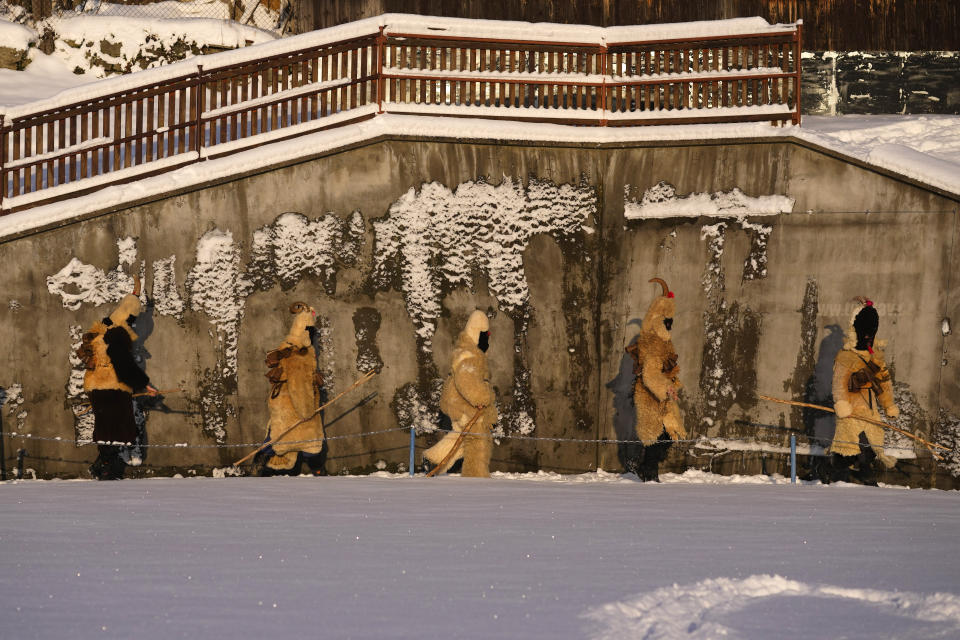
653,455
316,462
840,467
108,465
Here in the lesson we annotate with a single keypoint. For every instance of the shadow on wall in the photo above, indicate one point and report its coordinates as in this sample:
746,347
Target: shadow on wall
624,411
143,326
820,425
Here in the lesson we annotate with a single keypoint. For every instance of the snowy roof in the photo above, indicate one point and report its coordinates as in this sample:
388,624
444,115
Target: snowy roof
932,171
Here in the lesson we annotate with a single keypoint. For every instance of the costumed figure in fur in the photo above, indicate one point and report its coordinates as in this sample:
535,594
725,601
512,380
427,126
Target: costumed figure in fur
861,387
295,386
466,391
655,389
111,377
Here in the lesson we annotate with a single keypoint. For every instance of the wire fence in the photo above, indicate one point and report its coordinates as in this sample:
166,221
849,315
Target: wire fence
705,442
270,15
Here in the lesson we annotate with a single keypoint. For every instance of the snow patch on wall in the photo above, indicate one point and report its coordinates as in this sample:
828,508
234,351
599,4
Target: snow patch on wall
78,283
217,287
439,238
166,295
366,324
77,398
413,411
948,435
662,201
912,418
11,398
294,246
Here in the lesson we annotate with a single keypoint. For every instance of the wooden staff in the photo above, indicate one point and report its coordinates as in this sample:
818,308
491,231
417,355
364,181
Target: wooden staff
160,392
356,384
880,423
456,445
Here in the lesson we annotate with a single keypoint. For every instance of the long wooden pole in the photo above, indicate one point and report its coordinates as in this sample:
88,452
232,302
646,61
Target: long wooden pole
270,443
870,420
456,445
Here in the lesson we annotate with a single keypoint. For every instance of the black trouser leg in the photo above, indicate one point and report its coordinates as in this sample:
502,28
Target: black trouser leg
840,467
865,471
653,455
632,457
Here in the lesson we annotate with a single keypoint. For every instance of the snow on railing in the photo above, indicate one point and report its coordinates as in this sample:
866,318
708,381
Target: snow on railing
125,128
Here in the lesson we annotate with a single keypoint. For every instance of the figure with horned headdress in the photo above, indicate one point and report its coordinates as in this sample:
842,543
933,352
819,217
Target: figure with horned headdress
112,376
861,387
656,366
295,388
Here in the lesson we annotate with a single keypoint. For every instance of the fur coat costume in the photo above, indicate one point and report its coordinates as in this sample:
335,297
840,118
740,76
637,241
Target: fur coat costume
856,396
657,370
465,391
112,374
295,392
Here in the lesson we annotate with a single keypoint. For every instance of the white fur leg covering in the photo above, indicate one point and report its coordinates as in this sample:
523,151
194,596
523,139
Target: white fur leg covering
439,451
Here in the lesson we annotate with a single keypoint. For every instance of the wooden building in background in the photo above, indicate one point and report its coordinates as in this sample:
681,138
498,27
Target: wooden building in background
828,25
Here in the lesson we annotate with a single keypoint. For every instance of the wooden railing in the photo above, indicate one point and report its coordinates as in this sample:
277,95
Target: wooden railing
69,149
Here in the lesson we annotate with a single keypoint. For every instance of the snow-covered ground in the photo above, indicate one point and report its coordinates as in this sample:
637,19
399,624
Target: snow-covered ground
514,556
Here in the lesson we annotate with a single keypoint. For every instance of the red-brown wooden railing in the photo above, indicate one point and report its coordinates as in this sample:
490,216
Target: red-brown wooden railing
77,148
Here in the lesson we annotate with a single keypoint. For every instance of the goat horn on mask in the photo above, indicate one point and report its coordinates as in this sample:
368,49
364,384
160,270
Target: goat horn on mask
298,307
666,289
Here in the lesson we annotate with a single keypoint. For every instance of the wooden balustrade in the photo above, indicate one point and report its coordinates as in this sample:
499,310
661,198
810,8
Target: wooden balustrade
115,138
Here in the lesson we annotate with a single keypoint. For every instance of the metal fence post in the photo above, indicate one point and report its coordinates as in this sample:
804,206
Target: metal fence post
793,459
412,434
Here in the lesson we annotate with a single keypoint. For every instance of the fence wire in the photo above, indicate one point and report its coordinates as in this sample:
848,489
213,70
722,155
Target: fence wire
703,440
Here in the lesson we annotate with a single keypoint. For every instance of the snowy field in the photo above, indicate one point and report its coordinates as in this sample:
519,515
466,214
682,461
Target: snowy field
515,556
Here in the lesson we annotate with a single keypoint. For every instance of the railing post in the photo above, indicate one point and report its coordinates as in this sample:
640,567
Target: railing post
197,143
381,41
798,53
604,71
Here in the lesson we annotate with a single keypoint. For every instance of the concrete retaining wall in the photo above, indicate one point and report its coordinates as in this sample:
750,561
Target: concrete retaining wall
536,236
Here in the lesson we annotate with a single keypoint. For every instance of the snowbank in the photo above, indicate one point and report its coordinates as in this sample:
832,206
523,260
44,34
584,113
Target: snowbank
917,165
16,36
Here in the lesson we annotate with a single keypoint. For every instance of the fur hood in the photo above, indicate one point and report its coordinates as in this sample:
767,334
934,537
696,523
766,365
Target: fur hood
304,316
663,306
477,323
129,306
